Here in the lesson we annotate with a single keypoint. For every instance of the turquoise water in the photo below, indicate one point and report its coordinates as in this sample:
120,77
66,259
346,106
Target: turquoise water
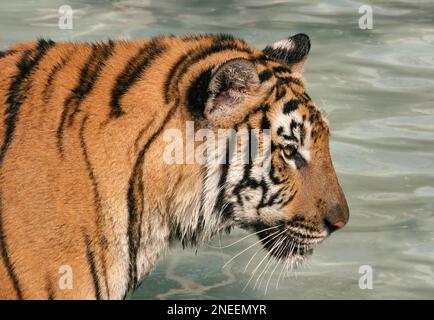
376,88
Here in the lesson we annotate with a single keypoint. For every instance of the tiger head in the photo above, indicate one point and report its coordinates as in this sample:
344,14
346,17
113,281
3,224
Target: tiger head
291,195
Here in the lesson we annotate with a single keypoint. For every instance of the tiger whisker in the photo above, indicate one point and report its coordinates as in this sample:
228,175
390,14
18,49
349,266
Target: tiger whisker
248,249
283,266
278,255
276,247
243,238
260,263
277,252
294,264
251,258
264,269
291,263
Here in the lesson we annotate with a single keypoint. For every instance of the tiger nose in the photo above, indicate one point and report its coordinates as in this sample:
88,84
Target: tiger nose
337,218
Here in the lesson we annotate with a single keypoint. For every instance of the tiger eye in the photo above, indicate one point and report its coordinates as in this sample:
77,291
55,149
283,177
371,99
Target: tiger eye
289,151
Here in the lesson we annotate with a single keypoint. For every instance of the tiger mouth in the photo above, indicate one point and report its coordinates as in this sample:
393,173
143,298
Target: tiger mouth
290,240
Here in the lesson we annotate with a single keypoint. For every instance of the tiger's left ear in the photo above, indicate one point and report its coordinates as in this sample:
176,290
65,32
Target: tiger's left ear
292,51
233,89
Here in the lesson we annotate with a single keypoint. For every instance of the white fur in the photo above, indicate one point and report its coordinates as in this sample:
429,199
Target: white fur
283,44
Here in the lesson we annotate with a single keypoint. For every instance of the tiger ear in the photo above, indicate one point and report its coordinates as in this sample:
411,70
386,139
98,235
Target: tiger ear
232,86
292,51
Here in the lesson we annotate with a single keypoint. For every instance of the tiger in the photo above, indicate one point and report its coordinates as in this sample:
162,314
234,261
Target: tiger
85,191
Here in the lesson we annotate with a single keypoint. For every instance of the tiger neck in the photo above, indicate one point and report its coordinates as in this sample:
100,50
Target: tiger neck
196,211
186,213
192,193
181,203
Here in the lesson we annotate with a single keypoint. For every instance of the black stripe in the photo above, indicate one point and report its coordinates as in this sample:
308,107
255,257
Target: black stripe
88,76
260,59
47,92
265,75
193,56
51,295
90,255
265,123
303,97
26,66
247,117
246,182
224,168
172,72
132,73
198,94
6,53
261,108
49,288
253,145
288,80
97,196
280,92
306,97
18,90
171,75
291,137
221,186
273,198
290,198
302,133
275,179
135,198
6,258
262,185
201,221
290,106
280,69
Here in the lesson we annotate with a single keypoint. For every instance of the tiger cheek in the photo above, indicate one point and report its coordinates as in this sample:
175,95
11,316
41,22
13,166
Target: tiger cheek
281,172
280,169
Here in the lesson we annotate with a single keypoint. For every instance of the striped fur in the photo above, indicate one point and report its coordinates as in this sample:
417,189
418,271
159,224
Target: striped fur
83,183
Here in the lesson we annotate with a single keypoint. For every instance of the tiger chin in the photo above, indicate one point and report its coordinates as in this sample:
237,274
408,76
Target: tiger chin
88,203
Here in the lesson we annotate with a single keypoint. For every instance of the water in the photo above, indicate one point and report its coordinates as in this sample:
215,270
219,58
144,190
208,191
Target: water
376,88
